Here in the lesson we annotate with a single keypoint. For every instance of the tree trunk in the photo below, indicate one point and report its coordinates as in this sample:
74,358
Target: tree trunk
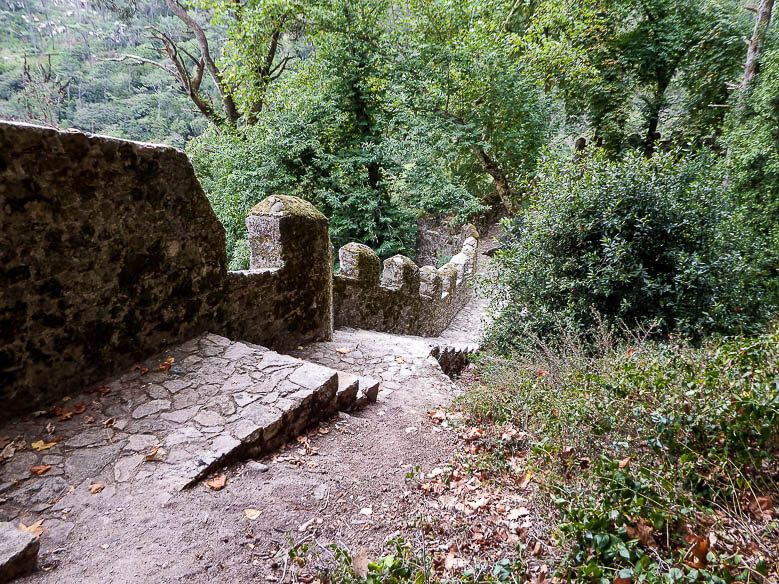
755,47
231,112
502,187
653,120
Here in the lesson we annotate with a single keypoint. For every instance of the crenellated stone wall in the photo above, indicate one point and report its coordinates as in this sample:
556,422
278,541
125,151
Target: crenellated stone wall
440,238
110,251
402,298
285,298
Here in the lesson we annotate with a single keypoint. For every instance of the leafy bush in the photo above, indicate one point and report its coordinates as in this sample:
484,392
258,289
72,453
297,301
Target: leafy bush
636,241
650,452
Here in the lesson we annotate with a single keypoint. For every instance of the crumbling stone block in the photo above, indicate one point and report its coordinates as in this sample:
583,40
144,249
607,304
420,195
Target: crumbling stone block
400,273
359,262
18,552
429,282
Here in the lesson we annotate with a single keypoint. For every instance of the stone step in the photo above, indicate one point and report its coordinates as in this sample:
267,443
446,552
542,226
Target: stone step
355,392
174,419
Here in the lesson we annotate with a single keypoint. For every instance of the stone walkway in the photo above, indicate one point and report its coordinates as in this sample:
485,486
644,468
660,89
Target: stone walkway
103,470
169,423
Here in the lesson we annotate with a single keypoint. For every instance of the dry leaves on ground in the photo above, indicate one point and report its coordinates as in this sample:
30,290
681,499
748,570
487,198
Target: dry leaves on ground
155,454
167,364
217,483
252,513
40,445
40,469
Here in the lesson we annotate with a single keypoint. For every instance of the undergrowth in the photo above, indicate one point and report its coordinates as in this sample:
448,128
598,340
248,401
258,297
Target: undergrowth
659,458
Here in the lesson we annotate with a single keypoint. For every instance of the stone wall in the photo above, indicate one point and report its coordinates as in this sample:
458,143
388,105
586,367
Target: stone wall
285,298
402,298
110,251
440,238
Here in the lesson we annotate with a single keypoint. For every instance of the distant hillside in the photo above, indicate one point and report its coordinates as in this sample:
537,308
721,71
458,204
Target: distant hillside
54,69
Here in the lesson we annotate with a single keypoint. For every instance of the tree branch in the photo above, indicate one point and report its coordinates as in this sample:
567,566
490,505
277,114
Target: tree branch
177,9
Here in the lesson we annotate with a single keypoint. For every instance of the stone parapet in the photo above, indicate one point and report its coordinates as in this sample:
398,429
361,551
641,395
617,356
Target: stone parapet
403,298
110,251
285,298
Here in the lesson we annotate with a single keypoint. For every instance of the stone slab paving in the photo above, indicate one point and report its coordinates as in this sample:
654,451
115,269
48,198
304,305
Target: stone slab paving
170,422
399,362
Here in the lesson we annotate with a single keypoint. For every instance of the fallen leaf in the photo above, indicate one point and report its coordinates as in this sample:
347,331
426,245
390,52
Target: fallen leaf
108,422
166,364
95,488
452,562
8,452
103,390
540,576
643,532
155,454
525,480
343,350
762,507
217,483
252,513
698,551
624,462
79,408
62,413
35,528
515,514
360,564
40,469
40,445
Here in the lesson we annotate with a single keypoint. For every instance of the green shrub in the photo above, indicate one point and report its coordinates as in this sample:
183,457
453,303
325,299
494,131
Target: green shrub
637,241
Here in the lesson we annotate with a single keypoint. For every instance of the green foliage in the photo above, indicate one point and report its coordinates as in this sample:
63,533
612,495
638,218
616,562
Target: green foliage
640,443
753,157
58,72
458,68
631,69
638,241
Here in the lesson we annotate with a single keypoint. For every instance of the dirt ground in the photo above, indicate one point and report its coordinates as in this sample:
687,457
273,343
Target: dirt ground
322,496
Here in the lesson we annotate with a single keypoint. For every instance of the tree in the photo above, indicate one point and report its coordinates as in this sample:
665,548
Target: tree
754,49
253,55
605,56
456,67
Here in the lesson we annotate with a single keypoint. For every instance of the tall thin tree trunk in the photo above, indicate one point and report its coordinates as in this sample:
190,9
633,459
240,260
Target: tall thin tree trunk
653,120
502,186
755,48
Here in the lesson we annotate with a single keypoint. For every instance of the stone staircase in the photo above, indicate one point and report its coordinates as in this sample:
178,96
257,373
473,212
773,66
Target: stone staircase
173,420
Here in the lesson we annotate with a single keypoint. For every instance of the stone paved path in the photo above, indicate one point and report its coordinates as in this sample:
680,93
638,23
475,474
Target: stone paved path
139,527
